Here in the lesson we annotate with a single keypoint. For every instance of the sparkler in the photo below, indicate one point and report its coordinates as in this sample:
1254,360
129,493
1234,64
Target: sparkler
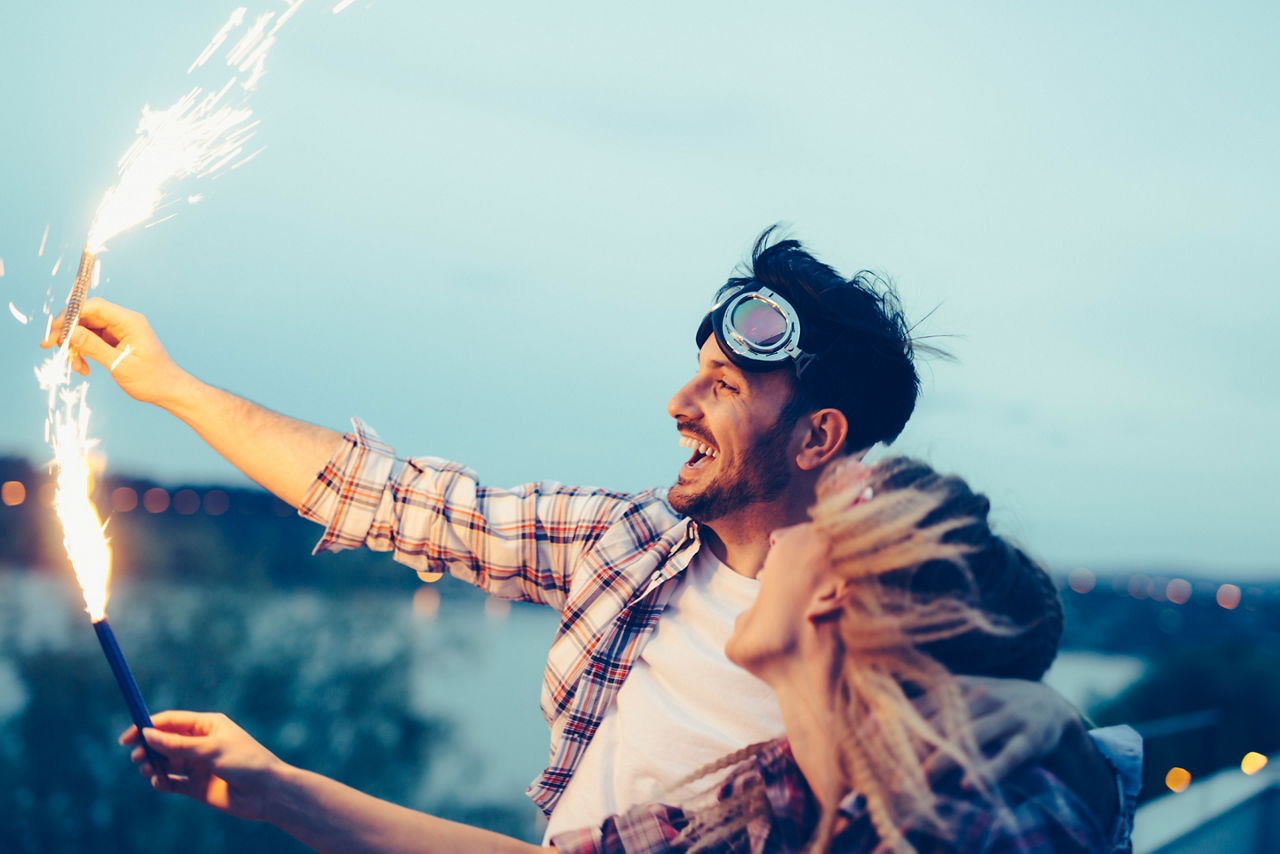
87,546
78,291
201,134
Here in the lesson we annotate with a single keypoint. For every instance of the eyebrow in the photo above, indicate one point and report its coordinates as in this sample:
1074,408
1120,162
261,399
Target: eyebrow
727,367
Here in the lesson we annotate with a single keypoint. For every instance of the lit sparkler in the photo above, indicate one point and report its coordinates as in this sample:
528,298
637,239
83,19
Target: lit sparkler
202,134
82,532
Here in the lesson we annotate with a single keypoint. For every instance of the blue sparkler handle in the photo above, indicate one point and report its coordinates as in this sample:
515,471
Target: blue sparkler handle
128,687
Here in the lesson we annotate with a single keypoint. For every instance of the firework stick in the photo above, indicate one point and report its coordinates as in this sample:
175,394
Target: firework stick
78,291
128,687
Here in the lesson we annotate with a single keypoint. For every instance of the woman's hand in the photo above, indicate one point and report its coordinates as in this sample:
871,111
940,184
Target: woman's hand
211,760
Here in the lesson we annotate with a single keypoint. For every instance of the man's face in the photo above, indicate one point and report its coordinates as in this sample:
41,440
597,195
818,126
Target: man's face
739,452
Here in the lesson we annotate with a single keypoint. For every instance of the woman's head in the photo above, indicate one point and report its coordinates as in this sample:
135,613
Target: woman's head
914,548
901,556
894,587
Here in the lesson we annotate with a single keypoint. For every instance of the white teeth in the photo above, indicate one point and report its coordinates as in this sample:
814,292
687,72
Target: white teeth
705,450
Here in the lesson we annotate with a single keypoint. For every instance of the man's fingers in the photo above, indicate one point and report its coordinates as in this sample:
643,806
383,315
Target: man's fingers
990,731
1015,752
182,722
178,785
86,343
108,320
180,746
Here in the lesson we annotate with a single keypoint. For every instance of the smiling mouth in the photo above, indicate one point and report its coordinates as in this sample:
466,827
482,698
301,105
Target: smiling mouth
701,451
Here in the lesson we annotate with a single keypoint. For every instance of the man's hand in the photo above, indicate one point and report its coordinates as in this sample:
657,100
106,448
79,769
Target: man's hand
1016,721
122,342
211,760
280,453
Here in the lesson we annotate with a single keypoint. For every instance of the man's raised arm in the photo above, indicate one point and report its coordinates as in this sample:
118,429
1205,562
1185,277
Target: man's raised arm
282,454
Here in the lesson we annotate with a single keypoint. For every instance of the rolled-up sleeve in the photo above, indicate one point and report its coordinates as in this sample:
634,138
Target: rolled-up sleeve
1121,746
434,515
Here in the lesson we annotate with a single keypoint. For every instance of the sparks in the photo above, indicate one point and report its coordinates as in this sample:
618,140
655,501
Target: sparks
199,135
43,241
250,39
82,528
1,268
202,133
174,143
56,266
342,5
236,19
156,222
17,314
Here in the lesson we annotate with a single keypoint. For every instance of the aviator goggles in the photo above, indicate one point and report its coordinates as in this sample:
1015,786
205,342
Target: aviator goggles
756,328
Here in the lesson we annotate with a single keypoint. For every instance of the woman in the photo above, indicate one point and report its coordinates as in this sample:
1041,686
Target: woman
864,616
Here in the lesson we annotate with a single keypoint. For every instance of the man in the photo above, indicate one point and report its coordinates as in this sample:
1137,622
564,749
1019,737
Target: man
797,368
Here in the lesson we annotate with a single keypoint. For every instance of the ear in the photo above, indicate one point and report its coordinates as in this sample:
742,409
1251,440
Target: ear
828,600
825,432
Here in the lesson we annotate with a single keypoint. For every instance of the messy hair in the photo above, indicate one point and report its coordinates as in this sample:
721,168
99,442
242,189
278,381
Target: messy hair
930,593
857,326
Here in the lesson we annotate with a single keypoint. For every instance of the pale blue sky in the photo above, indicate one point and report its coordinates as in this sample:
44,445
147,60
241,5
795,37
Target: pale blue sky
491,228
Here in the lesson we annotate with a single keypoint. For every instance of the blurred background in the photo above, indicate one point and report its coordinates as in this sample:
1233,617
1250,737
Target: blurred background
490,230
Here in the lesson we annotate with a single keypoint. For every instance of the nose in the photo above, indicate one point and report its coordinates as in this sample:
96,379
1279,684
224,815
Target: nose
682,406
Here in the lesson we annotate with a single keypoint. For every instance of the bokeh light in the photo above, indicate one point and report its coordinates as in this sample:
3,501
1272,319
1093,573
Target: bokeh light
1229,596
13,493
426,602
124,499
428,577
216,502
1253,762
1139,586
186,501
1169,621
1081,580
1177,779
156,500
1178,591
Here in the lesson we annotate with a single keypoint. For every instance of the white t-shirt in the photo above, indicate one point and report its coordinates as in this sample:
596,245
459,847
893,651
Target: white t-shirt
682,706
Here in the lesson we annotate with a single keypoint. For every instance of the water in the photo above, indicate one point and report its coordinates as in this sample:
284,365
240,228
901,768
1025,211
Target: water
433,706
436,712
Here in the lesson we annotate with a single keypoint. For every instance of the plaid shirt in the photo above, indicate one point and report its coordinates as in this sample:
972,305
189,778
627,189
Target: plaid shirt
1043,816
603,559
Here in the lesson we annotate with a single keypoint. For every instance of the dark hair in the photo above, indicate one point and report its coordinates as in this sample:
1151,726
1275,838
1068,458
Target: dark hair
994,576
857,329
928,592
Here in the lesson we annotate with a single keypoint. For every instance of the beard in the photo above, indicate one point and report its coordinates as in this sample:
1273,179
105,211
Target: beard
758,475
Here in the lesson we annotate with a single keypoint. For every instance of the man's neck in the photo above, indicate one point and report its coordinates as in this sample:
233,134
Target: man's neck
741,539
744,556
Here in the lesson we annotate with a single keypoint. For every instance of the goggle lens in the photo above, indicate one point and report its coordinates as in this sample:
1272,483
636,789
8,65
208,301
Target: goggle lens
759,323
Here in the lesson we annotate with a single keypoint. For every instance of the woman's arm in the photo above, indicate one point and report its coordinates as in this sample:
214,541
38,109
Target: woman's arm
214,761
